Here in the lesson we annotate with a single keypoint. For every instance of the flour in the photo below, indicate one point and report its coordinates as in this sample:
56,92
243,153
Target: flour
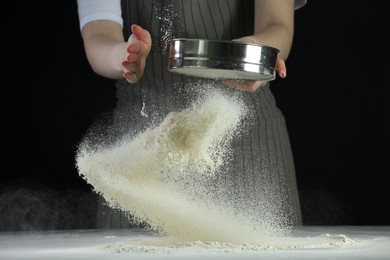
166,14
163,176
168,246
166,175
143,110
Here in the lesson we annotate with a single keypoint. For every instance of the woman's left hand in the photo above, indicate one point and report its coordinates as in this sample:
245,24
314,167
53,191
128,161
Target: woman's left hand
250,85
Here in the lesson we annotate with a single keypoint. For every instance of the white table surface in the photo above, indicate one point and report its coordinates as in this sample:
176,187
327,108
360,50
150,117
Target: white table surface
370,242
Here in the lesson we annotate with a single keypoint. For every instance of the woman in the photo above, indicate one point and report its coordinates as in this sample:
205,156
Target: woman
127,41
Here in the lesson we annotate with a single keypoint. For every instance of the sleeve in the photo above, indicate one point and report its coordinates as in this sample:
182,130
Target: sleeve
92,10
299,3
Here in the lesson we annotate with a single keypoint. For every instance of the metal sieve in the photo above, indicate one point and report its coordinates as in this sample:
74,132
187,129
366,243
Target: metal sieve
222,59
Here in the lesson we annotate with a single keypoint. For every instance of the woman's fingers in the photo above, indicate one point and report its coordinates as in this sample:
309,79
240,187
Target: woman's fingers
141,34
139,45
281,68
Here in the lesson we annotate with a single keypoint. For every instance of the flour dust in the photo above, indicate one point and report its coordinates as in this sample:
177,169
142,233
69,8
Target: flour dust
167,176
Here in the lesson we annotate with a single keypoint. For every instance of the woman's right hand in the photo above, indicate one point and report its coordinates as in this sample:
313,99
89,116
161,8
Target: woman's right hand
138,48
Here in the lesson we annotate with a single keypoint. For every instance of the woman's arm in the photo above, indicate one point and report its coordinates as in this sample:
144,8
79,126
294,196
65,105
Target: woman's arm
274,26
110,55
105,47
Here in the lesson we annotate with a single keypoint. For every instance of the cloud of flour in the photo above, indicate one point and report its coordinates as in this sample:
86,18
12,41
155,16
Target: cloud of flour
169,174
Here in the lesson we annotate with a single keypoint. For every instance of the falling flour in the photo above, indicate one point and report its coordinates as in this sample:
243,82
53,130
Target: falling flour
165,176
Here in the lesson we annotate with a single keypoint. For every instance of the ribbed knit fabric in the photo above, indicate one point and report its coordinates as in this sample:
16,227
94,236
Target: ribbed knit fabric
263,161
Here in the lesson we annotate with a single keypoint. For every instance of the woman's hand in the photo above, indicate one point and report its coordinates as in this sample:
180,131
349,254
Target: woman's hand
138,48
250,85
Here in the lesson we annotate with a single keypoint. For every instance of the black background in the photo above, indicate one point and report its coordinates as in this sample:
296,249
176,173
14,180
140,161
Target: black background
333,100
